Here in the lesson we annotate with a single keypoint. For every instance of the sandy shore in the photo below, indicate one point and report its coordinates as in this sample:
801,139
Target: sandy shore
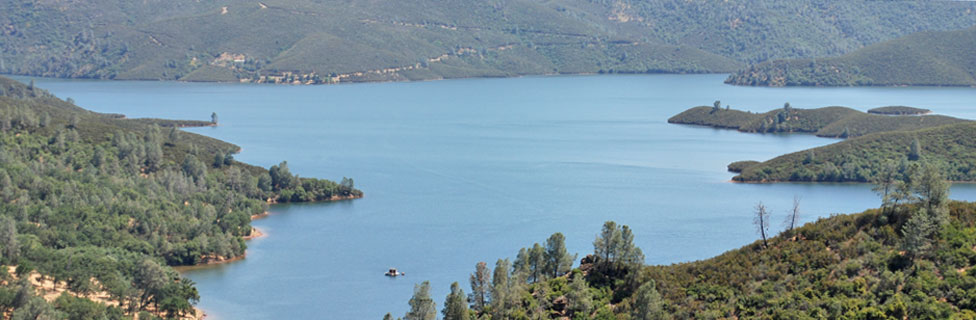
255,233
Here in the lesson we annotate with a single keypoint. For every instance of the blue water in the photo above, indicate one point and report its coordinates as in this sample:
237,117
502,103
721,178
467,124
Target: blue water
461,171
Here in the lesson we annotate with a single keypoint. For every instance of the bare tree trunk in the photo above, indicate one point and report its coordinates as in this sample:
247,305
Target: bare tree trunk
761,221
794,216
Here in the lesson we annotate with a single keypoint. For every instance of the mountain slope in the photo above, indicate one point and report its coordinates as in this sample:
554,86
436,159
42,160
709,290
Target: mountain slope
927,58
327,41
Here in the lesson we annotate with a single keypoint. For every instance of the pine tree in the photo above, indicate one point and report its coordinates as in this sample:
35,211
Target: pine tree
579,299
558,260
8,239
480,287
500,289
537,263
455,307
915,152
422,307
647,302
615,249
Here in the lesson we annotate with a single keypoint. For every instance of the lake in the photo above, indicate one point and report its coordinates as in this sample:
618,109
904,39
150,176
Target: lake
461,171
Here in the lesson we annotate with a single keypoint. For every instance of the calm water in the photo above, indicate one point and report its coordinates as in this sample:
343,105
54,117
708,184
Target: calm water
461,171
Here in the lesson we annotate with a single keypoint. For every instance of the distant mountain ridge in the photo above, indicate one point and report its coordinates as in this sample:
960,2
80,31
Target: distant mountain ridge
327,41
930,58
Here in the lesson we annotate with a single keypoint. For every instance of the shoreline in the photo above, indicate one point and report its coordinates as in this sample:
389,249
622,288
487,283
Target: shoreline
951,182
515,76
540,75
255,233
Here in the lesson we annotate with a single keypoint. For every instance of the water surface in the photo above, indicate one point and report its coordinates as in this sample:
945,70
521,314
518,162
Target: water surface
461,171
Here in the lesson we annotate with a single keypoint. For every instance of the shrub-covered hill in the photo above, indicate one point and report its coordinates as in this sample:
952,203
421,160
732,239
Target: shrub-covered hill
931,58
103,204
866,158
912,259
840,122
327,41
842,267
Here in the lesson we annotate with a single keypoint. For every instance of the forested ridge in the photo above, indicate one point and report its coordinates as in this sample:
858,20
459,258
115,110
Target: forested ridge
910,259
933,58
339,41
103,204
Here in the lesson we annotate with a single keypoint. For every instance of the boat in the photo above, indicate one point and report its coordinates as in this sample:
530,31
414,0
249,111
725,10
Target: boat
394,273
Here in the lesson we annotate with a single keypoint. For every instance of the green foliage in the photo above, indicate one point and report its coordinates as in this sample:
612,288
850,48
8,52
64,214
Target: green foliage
648,304
480,287
422,307
578,296
81,309
455,305
932,58
615,251
104,203
558,261
738,166
864,159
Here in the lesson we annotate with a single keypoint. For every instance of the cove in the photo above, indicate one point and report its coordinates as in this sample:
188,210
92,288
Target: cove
461,171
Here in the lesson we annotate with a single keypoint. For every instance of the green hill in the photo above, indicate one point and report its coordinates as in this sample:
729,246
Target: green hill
866,158
328,41
102,204
930,58
832,122
910,260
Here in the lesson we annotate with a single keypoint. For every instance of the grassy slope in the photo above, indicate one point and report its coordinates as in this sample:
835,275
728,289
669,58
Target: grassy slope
824,122
925,58
181,40
860,159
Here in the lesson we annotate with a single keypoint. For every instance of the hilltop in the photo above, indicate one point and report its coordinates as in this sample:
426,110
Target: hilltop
339,41
833,122
928,58
103,206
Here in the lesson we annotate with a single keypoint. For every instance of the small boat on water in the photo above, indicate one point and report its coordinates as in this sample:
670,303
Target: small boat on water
394,273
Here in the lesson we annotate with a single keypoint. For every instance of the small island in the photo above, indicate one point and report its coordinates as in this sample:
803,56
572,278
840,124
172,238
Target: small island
829,122
884,140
